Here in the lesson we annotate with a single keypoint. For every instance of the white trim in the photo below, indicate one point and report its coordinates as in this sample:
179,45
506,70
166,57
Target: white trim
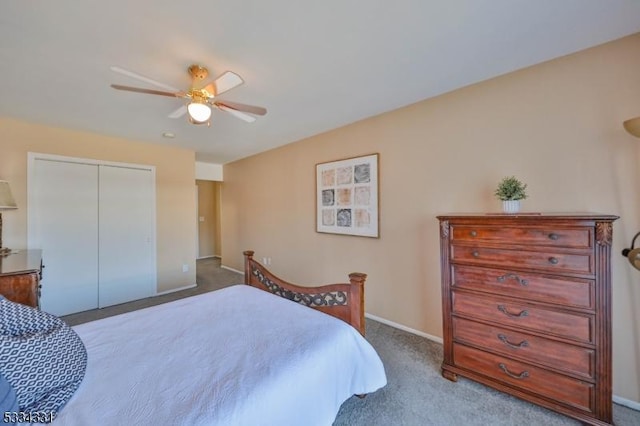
173,290
207,257
197,221
404,328
31,167
232,270
53,157
634,405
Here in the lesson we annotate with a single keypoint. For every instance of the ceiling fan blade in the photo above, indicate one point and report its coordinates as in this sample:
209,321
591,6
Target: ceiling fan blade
241,115
143,78
179,112
226,81
243,107
148,91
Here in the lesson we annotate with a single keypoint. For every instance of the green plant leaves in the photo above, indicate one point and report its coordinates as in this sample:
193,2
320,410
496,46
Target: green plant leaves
511,188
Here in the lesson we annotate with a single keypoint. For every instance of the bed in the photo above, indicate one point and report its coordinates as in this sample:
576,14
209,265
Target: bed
242,355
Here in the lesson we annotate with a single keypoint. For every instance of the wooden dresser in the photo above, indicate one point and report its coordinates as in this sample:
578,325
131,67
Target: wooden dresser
20,275
526,303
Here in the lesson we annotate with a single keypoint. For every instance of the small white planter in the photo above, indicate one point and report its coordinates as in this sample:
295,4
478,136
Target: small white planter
511,206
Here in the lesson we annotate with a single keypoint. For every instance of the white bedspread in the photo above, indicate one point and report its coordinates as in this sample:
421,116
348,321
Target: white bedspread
236,356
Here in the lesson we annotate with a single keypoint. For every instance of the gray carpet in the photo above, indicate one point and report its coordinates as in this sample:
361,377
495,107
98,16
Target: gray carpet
416,393
209,276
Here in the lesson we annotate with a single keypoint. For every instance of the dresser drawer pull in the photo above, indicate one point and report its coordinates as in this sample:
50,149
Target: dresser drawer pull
522,314
520,376
475,253
553,236
506,341
473,233
553,260
503,278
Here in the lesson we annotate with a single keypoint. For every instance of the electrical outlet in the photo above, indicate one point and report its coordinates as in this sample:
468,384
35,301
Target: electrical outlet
264,261
185,268
268,261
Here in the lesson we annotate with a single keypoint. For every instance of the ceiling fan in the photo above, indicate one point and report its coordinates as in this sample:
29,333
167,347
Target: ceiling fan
201,97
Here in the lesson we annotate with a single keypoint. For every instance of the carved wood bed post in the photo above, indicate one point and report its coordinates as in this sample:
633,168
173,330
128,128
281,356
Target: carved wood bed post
357,300
248,256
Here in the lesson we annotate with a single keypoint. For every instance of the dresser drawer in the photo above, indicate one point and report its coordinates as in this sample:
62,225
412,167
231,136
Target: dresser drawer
573,292
528,317
554,386
20,288
548,261
560,356
544,236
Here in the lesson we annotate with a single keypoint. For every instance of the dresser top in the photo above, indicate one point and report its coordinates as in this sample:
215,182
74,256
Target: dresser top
20,261
530,216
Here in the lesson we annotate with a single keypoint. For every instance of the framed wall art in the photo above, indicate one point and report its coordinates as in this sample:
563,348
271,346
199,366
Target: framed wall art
347,196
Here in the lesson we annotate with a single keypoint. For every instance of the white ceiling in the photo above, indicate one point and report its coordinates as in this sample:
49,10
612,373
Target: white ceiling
315,65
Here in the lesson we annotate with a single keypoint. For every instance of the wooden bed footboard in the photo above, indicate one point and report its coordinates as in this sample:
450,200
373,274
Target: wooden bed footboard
343,301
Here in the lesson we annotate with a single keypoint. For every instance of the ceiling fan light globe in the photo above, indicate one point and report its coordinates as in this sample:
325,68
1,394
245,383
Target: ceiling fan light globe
199,112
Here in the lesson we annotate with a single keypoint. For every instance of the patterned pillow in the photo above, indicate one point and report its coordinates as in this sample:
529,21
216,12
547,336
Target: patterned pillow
8,399
43,358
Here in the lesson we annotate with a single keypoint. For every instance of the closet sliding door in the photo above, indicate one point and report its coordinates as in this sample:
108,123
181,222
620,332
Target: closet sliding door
63,206
95,223
126,235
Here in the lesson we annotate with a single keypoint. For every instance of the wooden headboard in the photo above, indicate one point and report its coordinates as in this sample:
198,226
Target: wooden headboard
344,301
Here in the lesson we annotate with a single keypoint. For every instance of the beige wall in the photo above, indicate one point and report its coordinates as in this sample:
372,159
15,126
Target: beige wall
175,195
557,126
209,210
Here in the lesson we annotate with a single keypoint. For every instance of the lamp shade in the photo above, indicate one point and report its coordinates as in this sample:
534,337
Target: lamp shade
199,112
634,258
6,199
633,254
633,126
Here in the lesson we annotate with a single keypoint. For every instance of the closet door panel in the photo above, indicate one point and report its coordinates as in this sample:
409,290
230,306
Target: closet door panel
65,227
127,235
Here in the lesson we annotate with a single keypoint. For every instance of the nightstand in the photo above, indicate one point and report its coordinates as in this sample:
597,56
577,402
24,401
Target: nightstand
20,275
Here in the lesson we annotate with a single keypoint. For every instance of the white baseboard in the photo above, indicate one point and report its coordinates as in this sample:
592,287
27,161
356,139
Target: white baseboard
634,405
206,257
173,290
404,328
232,270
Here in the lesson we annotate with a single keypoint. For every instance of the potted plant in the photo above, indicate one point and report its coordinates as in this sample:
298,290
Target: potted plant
510,191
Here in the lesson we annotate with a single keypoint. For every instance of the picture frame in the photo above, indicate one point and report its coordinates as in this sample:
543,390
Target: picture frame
347,197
